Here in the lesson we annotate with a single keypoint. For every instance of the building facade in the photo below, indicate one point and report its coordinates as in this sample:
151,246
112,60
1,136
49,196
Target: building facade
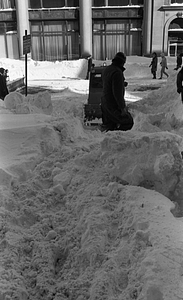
71,29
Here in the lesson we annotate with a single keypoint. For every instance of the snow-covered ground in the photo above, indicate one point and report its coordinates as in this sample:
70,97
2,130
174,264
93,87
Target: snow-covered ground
85,214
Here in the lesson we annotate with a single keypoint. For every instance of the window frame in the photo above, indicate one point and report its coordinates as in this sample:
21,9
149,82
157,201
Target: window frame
41,4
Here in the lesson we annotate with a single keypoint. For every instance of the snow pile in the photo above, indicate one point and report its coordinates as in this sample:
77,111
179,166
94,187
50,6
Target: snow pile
161,110
46,70
37,103
150,160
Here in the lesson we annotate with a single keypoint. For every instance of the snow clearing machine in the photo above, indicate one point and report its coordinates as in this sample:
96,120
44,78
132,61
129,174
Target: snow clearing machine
92,109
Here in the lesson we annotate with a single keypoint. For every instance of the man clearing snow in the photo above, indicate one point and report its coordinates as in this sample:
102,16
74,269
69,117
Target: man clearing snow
115,115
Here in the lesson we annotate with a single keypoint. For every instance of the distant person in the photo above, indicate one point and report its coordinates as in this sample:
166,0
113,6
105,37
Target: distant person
179,61
154,64
3,84
179,83
115,115
89,58
164,66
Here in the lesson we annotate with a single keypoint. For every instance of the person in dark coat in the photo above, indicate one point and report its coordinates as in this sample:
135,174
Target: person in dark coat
179,61
115,115
179,83
164,66
3,85
153,64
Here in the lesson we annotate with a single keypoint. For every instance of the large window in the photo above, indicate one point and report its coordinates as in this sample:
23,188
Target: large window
9,40
111,36
5,4
52,3
55,40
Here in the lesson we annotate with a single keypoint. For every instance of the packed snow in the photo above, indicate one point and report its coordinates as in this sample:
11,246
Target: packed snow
85,214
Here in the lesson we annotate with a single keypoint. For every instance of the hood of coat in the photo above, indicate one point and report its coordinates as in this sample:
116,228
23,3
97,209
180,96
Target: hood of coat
119,59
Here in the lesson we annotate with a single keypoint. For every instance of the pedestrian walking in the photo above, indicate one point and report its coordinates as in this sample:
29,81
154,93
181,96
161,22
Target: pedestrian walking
154,64
164,66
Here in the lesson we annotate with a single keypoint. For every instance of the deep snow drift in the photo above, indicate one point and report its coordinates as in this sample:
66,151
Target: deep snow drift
85,214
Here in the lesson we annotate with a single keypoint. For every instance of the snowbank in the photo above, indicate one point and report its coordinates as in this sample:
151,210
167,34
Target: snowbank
38,70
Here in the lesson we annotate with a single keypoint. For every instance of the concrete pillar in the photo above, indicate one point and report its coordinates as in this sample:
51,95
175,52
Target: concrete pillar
86,27
22,22
147,27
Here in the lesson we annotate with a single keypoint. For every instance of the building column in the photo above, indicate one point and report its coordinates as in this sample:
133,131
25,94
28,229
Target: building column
22,22
86,27
147,27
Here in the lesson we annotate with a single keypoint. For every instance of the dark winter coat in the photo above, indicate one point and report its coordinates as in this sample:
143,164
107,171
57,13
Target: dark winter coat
179,81
154,64
3,87
179,61
113,87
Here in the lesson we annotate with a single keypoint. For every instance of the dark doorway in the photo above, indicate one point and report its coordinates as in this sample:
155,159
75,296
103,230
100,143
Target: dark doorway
175,37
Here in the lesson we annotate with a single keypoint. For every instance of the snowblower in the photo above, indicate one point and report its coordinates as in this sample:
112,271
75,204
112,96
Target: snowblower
92,110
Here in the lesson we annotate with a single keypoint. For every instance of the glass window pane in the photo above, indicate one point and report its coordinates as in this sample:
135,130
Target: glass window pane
73,3
177,1
12,3
12,26
34,4
7,27
2,28
4,4
53,3
37,52
97,3
72,26
137,2
118,2
72,40
36,27
54,26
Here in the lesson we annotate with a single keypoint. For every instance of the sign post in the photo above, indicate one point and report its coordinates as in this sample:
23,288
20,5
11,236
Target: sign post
26,49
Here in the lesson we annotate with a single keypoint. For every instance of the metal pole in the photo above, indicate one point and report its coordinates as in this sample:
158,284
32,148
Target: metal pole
26,69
